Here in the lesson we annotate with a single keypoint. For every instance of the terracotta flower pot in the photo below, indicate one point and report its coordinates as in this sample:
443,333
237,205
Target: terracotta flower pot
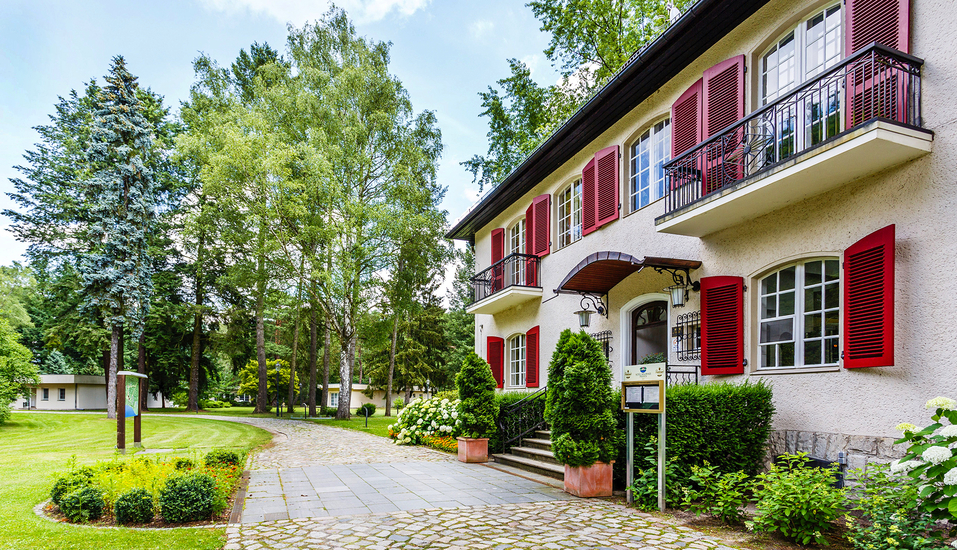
473,449
588,481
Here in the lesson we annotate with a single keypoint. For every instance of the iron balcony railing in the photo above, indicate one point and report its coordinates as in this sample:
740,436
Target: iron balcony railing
512,270
875,83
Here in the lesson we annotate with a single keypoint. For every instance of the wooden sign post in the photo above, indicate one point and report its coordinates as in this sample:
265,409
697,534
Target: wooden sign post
128,404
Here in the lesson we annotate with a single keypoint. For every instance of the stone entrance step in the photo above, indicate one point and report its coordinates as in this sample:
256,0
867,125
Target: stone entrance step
544,444
543,455
535,466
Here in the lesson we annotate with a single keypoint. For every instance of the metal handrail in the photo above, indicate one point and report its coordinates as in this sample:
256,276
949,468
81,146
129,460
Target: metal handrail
522,418
877,82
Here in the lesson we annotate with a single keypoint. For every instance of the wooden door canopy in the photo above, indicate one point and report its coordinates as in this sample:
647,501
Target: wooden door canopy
601,271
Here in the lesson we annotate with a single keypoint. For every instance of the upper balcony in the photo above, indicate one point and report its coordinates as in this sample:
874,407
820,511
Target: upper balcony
512,280
855,119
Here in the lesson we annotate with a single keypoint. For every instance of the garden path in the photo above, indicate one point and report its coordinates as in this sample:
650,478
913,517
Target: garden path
324,487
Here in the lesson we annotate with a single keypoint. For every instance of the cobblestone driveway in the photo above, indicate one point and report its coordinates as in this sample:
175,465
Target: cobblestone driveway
307,455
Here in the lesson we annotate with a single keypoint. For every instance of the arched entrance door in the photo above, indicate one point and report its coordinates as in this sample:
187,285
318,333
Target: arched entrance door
649,325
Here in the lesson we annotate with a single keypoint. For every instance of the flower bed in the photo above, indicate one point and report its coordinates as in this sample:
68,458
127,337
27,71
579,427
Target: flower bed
426,417
148,491
445,443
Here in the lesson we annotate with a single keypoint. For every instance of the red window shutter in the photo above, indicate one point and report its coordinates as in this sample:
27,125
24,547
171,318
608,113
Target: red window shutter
723,105
606,186
531,358
498,252
722,325
588,198
496,358
529,233
884,21
869,301
723,91
541,207
686,120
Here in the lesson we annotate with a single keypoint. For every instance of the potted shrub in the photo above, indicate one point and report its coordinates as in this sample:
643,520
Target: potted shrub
580,409
476,387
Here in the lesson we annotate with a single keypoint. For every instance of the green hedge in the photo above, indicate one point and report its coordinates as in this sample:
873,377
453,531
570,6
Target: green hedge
726,424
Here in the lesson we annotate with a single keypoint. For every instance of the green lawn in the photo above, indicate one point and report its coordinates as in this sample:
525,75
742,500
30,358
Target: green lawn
378,424
34,445
231,411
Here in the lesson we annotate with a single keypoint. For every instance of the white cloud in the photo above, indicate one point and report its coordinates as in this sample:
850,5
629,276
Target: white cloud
298,12
478,29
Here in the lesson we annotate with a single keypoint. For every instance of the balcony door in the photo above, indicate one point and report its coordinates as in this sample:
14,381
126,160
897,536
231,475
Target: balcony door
649,330
804,52
516,245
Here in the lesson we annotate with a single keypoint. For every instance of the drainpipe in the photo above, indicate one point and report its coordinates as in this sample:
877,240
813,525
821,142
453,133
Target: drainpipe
76,391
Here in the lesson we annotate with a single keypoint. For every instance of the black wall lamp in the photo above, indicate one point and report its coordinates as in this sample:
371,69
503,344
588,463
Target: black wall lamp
588,301
683,283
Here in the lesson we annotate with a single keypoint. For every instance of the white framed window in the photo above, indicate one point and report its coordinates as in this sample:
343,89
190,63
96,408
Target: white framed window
800,315
516,361
61,394
648,154
803,52
334,399
516,245
808,49
46,394
570,214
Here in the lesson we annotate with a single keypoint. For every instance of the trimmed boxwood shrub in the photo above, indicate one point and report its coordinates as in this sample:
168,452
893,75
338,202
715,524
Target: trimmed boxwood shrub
82,505
367,406
726,425
476,387
221,457
69,482
134,506
187,498
578,403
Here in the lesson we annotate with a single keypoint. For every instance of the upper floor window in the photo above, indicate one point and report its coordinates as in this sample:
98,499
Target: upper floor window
516,360
648,154
808,49
570,214
516,245
800,315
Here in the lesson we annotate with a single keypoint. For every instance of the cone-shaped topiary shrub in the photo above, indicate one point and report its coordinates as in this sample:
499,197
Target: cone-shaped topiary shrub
187,497
477,408
579,405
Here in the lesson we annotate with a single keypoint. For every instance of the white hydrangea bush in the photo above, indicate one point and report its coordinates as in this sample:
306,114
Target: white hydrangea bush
432,416
930,459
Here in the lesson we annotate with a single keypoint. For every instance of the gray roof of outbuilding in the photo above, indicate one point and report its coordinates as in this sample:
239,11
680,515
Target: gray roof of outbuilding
649,68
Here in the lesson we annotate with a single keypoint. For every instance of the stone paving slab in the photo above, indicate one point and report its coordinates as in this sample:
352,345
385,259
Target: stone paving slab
303,443
552,525
350,489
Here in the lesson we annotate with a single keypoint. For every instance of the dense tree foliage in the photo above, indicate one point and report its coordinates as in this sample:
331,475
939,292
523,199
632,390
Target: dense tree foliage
591,40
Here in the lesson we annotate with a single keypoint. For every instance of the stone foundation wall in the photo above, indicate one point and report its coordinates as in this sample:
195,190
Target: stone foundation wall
859,449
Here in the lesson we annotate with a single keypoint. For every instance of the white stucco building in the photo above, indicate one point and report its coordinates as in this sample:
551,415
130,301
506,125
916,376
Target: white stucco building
69,392
791,159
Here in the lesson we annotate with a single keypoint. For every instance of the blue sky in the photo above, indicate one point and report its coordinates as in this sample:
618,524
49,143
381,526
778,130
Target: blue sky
445,52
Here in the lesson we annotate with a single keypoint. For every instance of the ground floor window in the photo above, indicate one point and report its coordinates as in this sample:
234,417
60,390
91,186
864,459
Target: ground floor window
333,399
62,396
516,360
46,394
800,315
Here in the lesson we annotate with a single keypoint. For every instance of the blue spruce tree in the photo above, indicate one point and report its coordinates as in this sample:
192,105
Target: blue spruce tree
120,192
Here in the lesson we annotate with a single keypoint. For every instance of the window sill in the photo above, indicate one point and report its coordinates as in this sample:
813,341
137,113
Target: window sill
795,370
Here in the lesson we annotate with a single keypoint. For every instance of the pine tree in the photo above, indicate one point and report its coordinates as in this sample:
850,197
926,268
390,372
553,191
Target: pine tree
116,271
